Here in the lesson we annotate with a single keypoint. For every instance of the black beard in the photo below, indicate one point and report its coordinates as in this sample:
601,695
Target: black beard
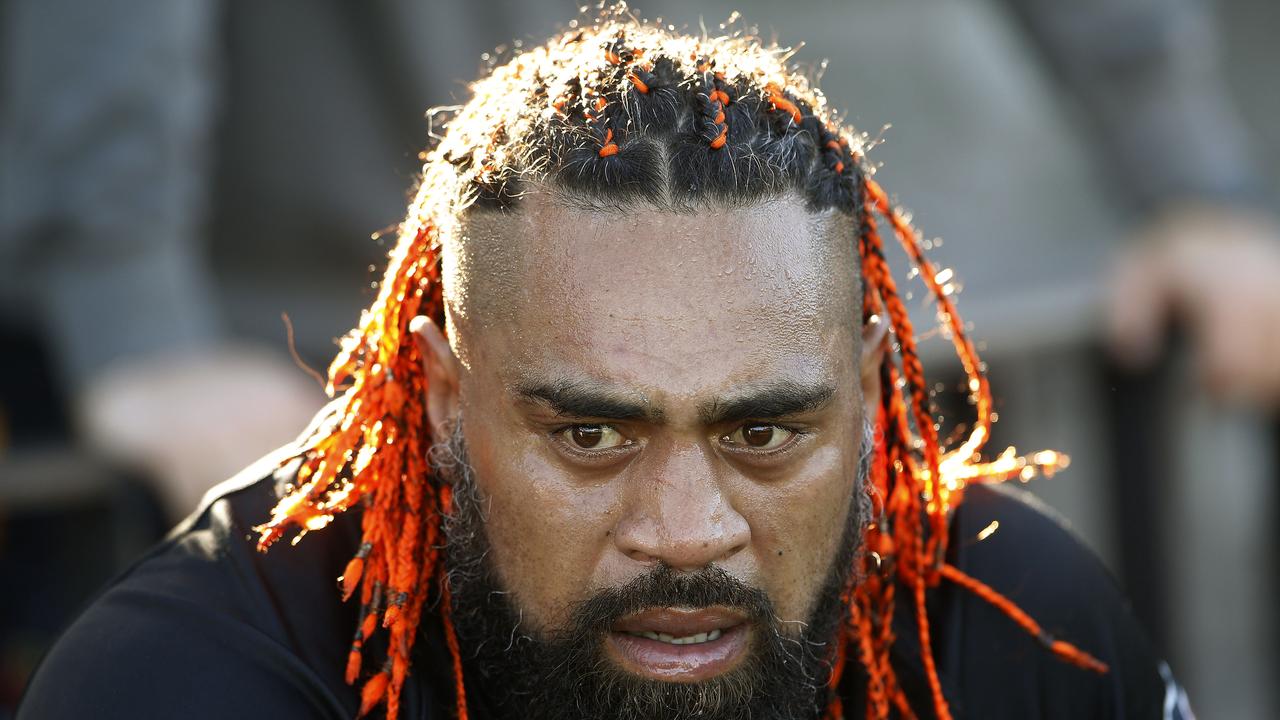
566,674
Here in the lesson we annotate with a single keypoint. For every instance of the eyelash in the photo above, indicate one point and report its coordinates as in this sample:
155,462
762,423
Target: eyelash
587,453
795,433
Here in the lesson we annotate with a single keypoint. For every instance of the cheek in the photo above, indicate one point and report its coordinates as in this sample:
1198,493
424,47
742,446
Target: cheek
547,534
797,525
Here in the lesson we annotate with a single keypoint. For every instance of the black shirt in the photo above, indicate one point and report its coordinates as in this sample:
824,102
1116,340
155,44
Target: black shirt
204,626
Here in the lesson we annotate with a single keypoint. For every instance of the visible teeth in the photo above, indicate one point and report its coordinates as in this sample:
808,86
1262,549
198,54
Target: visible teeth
686,640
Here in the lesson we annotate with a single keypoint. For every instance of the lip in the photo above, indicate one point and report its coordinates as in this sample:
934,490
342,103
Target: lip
680,663
680,621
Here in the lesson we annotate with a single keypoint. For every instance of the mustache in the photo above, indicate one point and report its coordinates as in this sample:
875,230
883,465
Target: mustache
562,672
664,586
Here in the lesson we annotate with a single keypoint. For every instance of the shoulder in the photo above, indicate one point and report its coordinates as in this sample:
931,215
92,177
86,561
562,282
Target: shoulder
1005,538
205,626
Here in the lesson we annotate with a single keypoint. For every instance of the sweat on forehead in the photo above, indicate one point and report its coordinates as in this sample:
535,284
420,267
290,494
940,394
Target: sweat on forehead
773,272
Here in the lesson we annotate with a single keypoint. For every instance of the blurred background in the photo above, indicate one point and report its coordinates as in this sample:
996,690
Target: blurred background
177,177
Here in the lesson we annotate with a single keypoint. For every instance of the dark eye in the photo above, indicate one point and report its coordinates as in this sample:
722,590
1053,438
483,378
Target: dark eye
593,437
759,436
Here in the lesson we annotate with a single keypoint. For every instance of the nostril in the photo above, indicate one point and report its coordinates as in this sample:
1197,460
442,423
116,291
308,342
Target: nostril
734,551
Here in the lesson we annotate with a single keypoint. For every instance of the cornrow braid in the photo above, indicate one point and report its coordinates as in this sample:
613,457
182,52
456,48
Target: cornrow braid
595,115
642,79
779,102
638,116
713,101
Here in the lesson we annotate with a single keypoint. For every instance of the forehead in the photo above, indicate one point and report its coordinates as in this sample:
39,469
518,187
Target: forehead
672,302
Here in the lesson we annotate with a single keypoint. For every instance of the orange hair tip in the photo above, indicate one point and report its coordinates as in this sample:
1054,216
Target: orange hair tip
609,148
351,577
374,692
640,84
270,533
353,665
1074,655
391,615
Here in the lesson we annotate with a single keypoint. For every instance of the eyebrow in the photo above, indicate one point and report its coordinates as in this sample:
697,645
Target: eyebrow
588,399
775,400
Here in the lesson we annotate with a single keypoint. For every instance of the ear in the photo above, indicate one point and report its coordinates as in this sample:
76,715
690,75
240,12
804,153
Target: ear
875,343
440,366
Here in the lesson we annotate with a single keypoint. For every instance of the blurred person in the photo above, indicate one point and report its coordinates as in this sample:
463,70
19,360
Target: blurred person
636,427
1190,319
102,204
1147,76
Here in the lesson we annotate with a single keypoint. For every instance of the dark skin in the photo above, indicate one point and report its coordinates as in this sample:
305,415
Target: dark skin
649,386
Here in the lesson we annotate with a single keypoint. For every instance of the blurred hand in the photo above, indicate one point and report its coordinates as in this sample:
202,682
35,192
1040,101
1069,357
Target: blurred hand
1215,272
193,420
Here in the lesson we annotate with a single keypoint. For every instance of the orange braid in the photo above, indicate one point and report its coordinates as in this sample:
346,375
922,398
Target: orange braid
608,147
1064,650
911,541
778,101
838,147
914,487
397,564
719,101
451,639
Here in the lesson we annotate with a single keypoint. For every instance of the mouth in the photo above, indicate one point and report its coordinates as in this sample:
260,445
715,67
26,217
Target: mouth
680,644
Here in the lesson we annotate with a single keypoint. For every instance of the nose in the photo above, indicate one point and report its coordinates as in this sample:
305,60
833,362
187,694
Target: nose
678,513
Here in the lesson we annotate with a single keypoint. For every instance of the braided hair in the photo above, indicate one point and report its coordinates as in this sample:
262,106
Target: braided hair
634,115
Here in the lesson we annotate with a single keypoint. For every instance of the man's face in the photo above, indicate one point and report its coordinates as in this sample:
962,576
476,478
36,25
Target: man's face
652,394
